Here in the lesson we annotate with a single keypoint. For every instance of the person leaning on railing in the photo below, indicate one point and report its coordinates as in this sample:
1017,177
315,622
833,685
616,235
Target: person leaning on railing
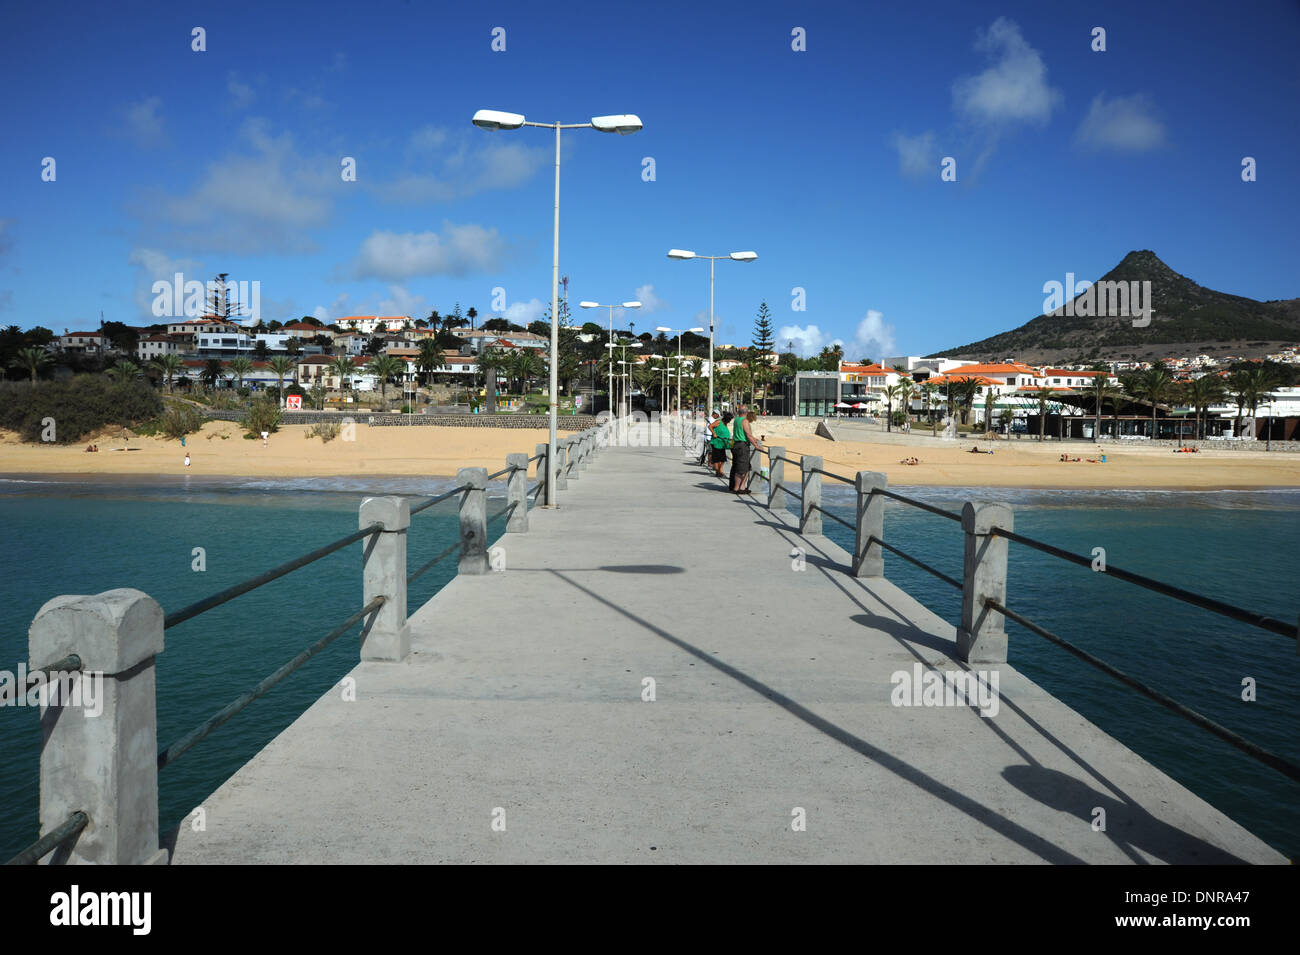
745,444
719,442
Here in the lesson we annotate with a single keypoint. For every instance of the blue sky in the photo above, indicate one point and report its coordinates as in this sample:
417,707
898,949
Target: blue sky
825,161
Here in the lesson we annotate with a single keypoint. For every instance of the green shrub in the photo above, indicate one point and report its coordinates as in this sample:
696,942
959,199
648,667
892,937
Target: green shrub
263,415
327,431
79,405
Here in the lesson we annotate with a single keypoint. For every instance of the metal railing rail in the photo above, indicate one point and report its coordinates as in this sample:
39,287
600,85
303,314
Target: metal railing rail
178,748
951,581
52,840
1279,763
1262,621
834,517
461,489
230,593
429,565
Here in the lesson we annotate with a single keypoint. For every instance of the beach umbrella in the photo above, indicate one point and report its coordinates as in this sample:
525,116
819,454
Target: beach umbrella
843,404
860,404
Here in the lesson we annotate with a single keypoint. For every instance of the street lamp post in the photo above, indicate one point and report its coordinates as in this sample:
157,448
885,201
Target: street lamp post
623,124
611,340
736,256
679,332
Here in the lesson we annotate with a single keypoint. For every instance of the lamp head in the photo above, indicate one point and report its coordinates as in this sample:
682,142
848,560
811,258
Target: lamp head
744,256
625,124
680,254
589,305
494,119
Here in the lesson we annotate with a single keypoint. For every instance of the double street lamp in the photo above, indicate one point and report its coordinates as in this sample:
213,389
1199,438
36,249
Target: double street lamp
611,340
738,257
623,124
679,332
625,346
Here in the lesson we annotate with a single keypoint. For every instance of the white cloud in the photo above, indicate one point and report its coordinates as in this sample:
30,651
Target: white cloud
466,164
458,250
650,302
917,156
1124,123
400,301
142,124
335,310
523,313
873,337
1013,89
263,200
241,94
807,340
156,266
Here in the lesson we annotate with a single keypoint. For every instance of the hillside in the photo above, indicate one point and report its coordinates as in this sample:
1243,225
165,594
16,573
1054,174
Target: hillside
1188,319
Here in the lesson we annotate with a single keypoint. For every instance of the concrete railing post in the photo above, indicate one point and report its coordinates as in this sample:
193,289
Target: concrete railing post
544,450
388,637
810,518
473,521
776,479
561,464
517,493
572,454
982,636
868,556
102,761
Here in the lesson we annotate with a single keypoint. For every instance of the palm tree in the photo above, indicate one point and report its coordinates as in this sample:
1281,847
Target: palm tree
906,388
1151,385
385,367
1203,392
1044,394
213,370
989,398
124,371
283,366
494,360
31,360
1258,383
430,357
169,366
891,395
525,365
241,366
964,390
1099,389
929,392
342,369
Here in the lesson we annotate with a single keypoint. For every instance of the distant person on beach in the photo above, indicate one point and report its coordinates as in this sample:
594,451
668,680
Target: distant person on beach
187,459
265,435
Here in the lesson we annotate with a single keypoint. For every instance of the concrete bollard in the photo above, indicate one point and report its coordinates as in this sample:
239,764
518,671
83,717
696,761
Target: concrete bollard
543,450
573,450
869,557
103,763
517,493
982,636
473,521
810,518
561,464
776,479
388,636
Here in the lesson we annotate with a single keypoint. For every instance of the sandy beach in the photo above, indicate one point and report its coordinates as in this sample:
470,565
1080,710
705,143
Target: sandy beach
220,450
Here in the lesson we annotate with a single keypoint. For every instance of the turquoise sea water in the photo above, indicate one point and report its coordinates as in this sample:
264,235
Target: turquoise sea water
1236,546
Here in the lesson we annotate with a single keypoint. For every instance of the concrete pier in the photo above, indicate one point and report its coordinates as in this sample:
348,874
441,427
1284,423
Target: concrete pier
667,673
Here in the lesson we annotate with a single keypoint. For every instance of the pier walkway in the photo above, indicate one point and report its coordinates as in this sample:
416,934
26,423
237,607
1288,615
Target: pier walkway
521,727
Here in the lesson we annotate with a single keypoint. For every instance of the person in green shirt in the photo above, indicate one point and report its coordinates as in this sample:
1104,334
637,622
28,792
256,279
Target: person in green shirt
745,446
719,442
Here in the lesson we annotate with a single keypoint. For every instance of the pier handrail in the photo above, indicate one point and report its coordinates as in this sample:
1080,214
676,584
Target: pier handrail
120,633
982,639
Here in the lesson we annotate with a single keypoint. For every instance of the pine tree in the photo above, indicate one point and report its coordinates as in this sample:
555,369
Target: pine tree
762,342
